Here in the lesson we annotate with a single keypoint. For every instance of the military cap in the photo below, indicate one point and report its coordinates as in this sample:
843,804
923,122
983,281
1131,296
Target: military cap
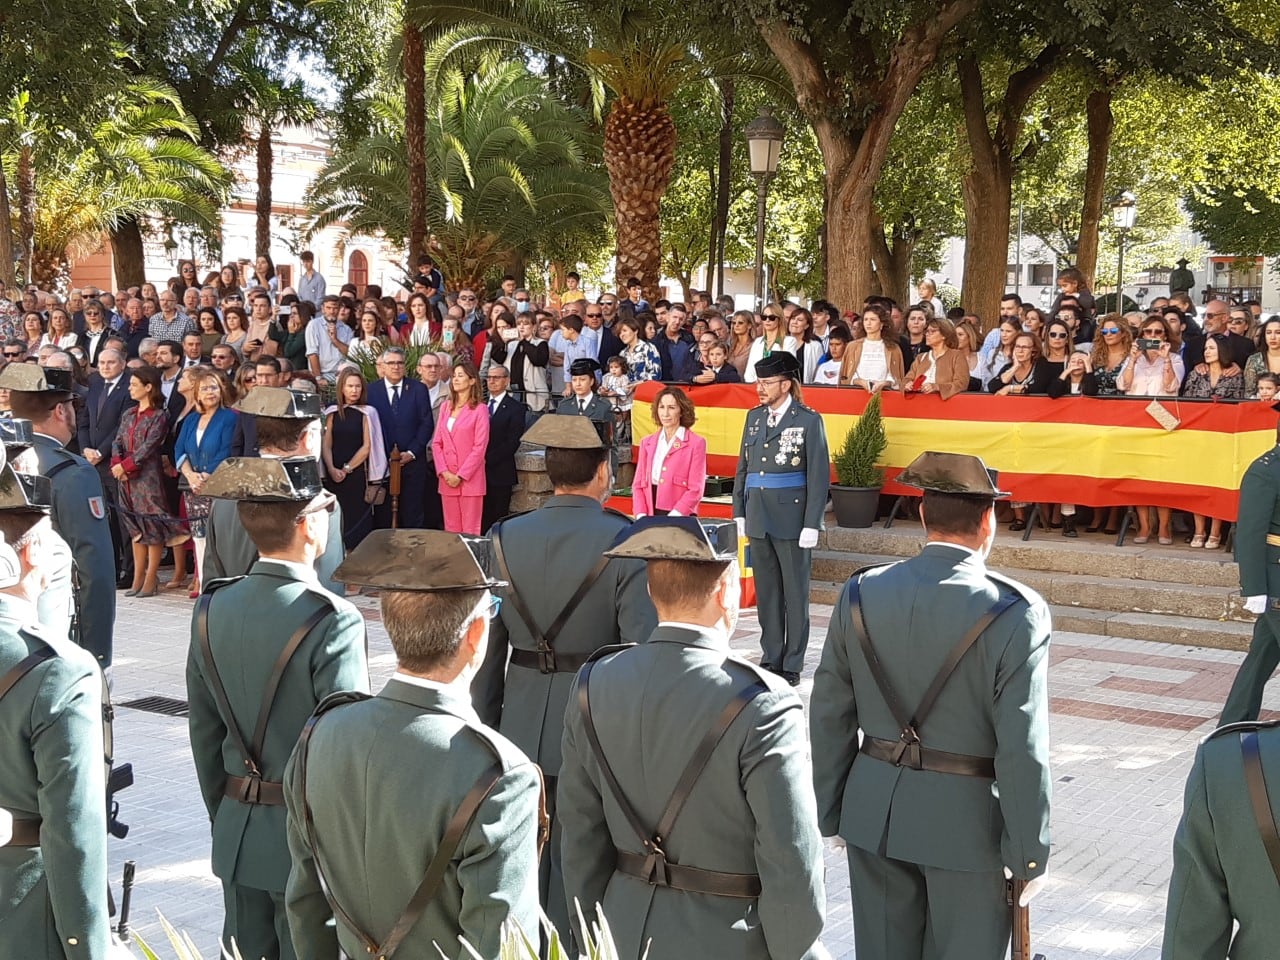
24,491
280,403
31,378
780,363
422,561
16,435
677,538
956,473
567,433
584,367
264,480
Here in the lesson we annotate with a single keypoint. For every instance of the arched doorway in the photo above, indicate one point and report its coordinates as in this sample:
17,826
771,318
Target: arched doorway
358,271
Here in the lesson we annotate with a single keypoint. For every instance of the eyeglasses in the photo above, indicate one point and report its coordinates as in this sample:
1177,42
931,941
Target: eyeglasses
465,296
1065,316
1107,330
1057,336
595,316
393,363
1022,346
1157,332
12,354
772,381
492,608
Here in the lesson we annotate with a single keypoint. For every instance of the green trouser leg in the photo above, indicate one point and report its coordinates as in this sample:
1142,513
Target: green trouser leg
550,874
1245,699
794,563
904,911
256,920
770,603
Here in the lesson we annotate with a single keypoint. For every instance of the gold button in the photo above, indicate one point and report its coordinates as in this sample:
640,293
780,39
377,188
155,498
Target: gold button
1031,865
72,941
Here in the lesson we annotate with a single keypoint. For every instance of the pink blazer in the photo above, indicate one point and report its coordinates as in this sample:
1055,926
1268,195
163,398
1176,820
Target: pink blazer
461,450
684,476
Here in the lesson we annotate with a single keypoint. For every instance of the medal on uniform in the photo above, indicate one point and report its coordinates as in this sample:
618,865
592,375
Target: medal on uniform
795,461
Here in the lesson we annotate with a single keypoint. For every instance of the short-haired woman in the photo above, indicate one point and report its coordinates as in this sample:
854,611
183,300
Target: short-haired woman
458,448
942,368
671,467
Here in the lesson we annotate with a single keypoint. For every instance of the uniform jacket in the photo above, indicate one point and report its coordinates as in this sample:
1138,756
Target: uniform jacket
799,441
461,450
80,517
1221,874
749,812
550,551
411,427
53,899
228,551
994,705
250,622
384,776
684,475
506,427
1259,515
598,409
96,427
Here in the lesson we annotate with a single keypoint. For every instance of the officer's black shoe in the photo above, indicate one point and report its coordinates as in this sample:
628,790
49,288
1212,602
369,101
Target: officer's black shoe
791,677
772,668
1069,527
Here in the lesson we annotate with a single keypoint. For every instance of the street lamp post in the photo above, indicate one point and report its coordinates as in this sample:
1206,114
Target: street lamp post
1124,214
764,145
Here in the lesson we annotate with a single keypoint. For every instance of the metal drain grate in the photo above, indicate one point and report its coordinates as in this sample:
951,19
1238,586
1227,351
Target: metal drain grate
167,706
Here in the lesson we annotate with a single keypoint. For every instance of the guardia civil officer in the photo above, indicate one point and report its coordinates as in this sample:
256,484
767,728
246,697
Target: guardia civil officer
79,514
1257,549
53,868
566,600
1226,852
779,497
583,401
265,649
287,425
683,795
941,664
420,821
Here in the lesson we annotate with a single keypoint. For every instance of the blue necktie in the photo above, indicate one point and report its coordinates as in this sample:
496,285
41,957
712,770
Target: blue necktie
395,397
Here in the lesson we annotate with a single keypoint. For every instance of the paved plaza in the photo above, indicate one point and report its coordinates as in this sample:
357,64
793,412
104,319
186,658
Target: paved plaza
1126,716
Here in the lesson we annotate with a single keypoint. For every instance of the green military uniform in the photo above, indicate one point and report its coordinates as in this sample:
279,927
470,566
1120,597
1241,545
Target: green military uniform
740,869
1222,896
548,557
784,472
274,636
53,872
376,784
938,799
1258,557
596,409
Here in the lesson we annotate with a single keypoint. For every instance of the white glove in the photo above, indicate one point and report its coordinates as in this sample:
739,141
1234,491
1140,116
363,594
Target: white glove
1256,605
808,538
6,827
1032,889
673,513
742,526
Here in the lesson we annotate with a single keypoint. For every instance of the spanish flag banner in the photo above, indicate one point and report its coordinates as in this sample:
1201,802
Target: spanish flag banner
1083,450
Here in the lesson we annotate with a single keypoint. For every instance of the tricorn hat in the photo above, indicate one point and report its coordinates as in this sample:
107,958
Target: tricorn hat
584,367
264,480
780,363
958,474
677,538
281,403
15,434
567,433
30,378
24,491
419,560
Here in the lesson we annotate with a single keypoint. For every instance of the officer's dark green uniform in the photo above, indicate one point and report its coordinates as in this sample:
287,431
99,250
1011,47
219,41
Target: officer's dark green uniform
79,516
385,792
228,551
1257,548
566,600
265,649
678,726
784,472
594,407
951,782
53,872
1222,896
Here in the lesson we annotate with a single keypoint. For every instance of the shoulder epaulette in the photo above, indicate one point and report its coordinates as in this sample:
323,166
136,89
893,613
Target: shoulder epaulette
1021,589
339,699
221,582
874,566
1242,726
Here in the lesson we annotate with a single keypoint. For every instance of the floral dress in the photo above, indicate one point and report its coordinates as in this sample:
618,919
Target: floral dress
1107,379
643,362
144,506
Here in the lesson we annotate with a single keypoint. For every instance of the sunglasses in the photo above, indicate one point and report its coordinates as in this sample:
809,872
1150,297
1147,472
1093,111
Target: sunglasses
1065,316
595,316
466,297
608,303
1057,336
739,323
13,355
1106,330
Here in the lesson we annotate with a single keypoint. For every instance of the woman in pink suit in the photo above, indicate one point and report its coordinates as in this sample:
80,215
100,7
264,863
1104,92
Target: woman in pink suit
458,447
671,471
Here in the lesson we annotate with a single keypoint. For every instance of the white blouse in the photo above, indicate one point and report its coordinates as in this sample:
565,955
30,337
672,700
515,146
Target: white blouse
660,454
872,365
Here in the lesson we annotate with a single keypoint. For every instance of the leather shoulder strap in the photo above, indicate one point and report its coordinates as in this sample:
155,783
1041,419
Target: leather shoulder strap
278,668
23,667
1259,799
58,467
878,674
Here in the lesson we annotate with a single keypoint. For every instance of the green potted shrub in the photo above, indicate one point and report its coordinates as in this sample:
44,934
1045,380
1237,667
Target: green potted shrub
856,492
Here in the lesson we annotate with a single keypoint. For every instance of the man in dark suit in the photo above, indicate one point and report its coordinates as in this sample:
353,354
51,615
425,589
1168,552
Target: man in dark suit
404,409
1216,313
96,427
506,426
608,343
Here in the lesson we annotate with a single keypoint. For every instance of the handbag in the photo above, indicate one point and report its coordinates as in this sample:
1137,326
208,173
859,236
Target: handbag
375,494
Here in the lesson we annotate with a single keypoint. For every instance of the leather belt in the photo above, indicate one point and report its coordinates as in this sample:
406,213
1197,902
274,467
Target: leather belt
26,832
918,757
655,869
255,791
549,661
1273,539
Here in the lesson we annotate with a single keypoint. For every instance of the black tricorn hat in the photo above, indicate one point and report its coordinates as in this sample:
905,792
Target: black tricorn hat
422,561
280,403
780,363
265,480
959,474
15,434
583,367
677,538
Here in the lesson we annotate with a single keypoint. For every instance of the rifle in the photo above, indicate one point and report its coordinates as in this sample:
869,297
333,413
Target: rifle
121,778
394,472
126,895
1020,948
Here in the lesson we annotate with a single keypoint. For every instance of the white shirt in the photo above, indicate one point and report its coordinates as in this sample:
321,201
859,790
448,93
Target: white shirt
873,366
392,388
956,546
828,373
775,413
495,399
660,454
423,682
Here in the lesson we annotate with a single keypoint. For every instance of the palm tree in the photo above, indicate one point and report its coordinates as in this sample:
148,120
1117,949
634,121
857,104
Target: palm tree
505,166
641,53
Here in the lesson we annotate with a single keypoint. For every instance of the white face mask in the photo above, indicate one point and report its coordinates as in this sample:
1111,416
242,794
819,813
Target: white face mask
522,306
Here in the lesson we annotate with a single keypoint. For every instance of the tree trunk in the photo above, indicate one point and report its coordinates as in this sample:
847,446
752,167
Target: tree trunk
893,262
415,138
639,152
266,164
714,252
1100,124
130,260
26,210
724,178
6,231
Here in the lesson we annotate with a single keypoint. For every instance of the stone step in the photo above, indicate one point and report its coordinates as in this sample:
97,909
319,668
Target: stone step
1047,550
